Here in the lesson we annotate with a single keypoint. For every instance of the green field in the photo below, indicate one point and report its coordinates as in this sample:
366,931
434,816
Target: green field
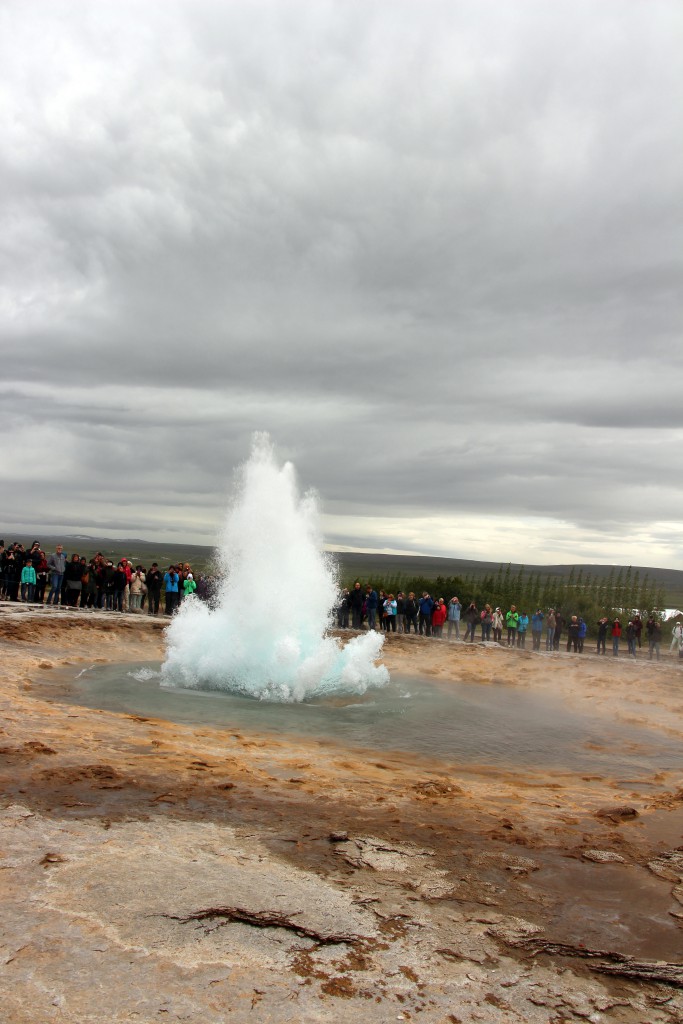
353,565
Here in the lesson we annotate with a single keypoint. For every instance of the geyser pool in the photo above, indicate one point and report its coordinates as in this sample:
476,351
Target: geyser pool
265,636
462,722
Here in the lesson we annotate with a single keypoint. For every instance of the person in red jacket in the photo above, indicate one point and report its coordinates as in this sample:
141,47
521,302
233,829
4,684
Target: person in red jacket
616,633
439,613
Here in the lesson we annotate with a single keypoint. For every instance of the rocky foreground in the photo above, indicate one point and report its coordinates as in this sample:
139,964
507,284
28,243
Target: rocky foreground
158,872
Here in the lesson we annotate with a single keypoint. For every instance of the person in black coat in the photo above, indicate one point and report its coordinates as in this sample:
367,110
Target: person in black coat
119,582
472,617
410,609
356,599
153,579
12,575
73,574
602,634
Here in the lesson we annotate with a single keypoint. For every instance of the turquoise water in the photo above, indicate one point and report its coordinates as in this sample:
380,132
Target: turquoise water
461,722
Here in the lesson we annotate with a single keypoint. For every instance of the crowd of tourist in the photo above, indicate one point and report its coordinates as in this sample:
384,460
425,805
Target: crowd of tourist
74,581
363,607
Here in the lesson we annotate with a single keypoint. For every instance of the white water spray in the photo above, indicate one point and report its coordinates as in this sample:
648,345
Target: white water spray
266,636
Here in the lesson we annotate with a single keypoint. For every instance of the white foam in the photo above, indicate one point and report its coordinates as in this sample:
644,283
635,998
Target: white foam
143,674
266,635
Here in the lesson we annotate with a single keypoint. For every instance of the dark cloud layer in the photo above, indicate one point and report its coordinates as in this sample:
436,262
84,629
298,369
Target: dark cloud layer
434,249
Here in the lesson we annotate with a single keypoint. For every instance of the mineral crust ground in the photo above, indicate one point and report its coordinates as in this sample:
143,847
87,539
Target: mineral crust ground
159,872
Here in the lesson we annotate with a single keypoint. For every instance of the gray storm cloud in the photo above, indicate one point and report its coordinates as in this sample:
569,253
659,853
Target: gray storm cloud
434,249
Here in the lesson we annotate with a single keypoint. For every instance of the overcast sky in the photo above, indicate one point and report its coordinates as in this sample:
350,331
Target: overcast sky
434,248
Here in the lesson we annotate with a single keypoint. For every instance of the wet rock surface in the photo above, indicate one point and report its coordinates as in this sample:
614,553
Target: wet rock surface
150,872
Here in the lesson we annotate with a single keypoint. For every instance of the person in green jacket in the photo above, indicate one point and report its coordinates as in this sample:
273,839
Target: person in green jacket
189,585
28,581
511,621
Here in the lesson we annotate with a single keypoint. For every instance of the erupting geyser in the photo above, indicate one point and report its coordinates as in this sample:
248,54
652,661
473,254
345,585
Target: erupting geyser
266,635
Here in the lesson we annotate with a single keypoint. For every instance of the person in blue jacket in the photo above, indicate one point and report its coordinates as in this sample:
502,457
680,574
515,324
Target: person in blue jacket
171,588
390,611
371,603
537,628
425,619
583,631
454,609
522,626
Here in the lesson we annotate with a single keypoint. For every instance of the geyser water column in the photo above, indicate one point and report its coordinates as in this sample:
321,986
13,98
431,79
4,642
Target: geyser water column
265,636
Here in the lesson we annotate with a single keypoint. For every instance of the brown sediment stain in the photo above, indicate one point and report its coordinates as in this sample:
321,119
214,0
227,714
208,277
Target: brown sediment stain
28,750
667,800
342,987
97,776
436,789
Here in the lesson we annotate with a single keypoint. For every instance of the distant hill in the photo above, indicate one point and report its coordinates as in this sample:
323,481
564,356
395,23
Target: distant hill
352,564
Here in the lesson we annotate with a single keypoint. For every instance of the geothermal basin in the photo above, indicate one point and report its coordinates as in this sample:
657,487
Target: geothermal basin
549,805
455,721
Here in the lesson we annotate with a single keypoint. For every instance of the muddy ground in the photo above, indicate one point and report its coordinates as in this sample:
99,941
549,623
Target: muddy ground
153,871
